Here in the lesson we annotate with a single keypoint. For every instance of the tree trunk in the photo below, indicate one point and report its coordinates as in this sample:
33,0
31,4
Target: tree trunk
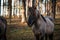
33,2
45,6
0,7
0,2
10,9
24,4
54,8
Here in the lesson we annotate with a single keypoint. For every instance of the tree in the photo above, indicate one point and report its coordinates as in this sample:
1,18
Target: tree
0,2
24,4
0,7
54,8
33,2
10,8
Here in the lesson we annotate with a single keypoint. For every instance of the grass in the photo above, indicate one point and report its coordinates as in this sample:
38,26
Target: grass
57,32
20,33
25,33
57,21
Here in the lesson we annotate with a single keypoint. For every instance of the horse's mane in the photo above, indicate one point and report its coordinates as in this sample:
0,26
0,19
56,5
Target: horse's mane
43,18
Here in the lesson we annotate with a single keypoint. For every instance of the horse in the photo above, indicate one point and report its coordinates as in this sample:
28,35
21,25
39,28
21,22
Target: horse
42,27
3,28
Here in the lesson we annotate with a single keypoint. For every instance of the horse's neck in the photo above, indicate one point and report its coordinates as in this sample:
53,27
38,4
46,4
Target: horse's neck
38,14
38,22
43,18
40,18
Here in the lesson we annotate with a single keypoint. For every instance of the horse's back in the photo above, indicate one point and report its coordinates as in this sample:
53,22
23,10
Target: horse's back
49,26
51,19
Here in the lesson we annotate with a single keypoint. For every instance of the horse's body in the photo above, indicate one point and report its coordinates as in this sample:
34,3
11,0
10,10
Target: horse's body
3,27
41,26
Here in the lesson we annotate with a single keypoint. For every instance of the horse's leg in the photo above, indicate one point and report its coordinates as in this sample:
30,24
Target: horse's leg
45,36
42,38
4,35
51,36
37,36
0,37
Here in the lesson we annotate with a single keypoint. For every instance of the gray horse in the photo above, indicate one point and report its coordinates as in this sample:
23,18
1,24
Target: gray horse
42,27
3,28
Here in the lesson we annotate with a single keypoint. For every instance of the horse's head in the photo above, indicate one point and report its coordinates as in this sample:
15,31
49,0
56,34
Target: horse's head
31,16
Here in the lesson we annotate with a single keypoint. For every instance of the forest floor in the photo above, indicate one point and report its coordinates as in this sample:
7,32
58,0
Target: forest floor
17,32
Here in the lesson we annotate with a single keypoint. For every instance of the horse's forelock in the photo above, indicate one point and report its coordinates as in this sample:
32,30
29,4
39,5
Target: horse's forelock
31,10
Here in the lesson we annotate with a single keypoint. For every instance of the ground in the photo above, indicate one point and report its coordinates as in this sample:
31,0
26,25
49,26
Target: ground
25,33
18,32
